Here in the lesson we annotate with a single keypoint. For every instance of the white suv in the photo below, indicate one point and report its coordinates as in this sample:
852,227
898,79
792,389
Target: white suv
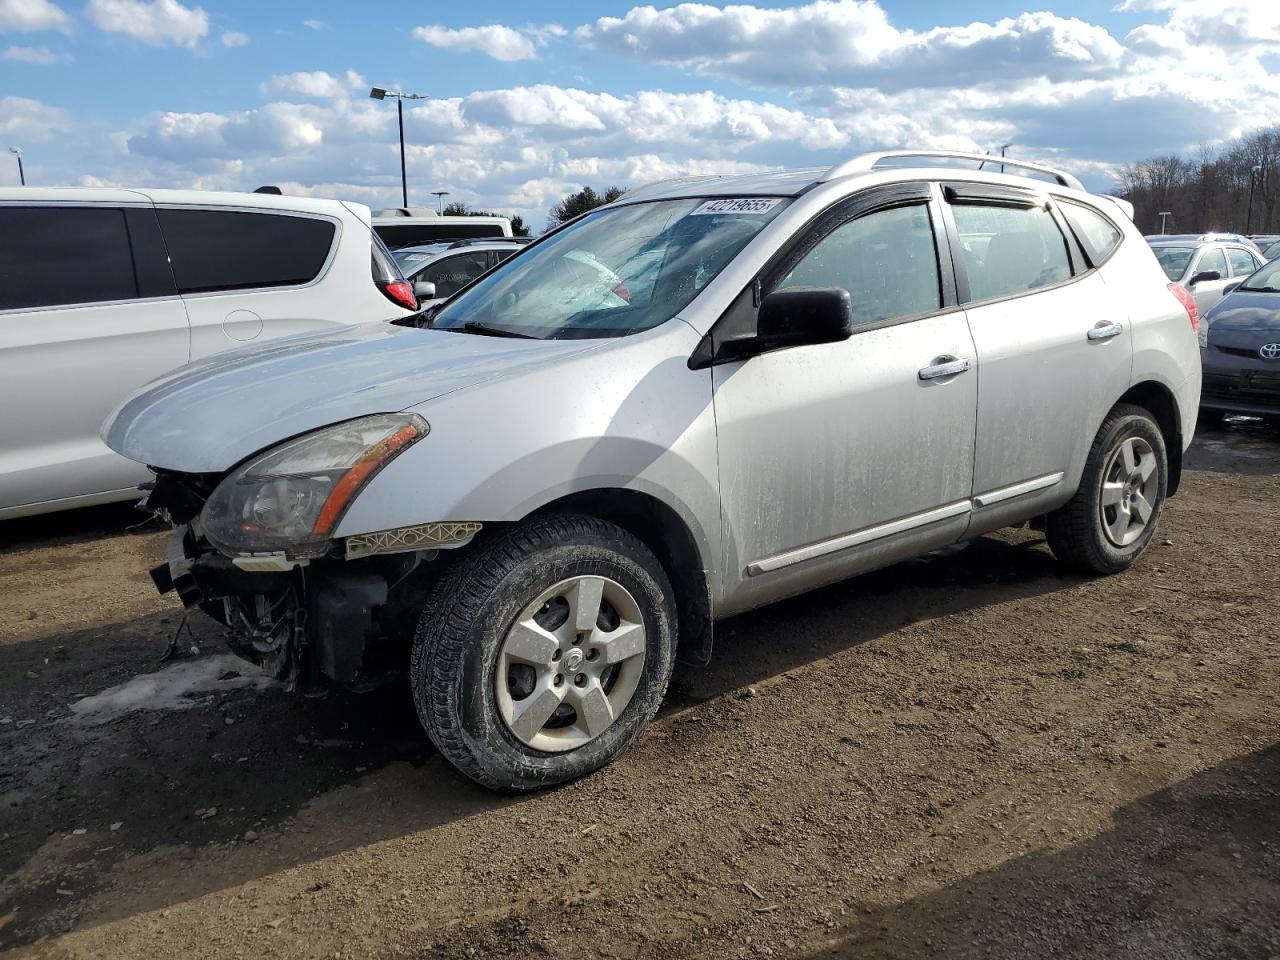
704,397
103,290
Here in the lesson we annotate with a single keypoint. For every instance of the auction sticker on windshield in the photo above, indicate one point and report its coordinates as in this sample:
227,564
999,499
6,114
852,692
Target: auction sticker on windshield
738,205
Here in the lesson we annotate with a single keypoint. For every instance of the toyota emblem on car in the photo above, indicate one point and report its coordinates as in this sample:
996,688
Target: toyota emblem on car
1269,351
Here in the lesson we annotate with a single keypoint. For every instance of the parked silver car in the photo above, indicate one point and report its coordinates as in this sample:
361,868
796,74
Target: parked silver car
439,270
709,395
1206,266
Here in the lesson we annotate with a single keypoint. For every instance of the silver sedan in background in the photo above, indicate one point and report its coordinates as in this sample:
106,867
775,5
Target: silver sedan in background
1206,267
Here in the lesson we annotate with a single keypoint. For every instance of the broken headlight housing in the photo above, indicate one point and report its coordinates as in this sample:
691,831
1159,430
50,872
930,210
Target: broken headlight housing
291,498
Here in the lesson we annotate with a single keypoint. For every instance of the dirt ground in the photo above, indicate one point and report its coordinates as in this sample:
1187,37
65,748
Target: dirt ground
970,755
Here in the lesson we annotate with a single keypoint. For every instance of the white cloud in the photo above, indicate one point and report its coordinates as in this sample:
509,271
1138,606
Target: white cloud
1060,89
28,16
852,42
498,42
316,25
1197,27
23,120
233,38
155,22
36,55
314,84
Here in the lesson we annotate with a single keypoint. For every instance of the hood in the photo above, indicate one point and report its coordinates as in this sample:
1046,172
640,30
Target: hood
1245,319
209,415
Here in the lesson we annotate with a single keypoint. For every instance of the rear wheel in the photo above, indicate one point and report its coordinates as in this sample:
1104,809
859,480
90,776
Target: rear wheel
543,656
1113,515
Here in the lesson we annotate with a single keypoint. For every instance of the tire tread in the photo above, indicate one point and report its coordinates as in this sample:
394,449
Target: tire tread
454,605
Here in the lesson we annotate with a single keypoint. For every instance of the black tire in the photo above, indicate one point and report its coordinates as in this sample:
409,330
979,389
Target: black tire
1076,531
467,616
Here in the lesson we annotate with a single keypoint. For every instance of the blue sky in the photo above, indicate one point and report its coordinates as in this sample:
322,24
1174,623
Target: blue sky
530,101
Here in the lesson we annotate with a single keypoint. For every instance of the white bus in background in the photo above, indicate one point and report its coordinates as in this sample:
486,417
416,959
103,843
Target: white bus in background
413,226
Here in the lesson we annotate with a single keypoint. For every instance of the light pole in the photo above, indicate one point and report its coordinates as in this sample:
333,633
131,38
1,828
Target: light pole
439,195
1164,215
379,93
22,176
1003,148
1248,217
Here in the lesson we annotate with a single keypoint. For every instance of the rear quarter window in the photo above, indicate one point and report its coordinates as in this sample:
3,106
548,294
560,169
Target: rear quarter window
215,250
1096,234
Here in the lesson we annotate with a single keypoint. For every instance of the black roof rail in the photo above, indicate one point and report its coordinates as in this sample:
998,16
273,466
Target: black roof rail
471,241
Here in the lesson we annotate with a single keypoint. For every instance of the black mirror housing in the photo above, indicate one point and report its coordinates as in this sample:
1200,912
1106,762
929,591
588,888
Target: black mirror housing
1205,275
801,316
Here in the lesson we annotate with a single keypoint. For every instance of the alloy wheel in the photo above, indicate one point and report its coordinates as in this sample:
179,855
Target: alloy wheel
570,663
1130,488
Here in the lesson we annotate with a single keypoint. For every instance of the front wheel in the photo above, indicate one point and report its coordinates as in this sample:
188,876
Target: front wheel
542,657
1112,517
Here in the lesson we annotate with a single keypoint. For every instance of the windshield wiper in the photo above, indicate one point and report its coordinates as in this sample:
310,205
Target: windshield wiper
472,326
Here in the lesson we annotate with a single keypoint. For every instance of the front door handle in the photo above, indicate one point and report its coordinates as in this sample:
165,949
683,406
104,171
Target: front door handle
943,367
1105,331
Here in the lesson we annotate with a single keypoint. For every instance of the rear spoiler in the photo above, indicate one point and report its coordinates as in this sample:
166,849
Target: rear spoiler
1125,206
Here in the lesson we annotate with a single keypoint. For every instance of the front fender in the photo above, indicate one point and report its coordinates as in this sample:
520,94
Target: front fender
630,416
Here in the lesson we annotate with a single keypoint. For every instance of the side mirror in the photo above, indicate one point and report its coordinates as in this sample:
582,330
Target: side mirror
801,316
424,290
1230,287
1205,275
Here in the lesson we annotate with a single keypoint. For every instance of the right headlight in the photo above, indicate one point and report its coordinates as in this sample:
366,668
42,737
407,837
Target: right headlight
291,498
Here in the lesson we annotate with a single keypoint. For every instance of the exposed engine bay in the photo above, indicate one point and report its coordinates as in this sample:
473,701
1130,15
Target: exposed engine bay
339,618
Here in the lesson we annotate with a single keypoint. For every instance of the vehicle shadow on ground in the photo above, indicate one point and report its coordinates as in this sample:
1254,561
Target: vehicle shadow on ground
269,762
1238,445
1011,565
1190,871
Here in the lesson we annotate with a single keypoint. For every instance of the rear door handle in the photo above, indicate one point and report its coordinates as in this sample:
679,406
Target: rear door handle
1105,331
943,367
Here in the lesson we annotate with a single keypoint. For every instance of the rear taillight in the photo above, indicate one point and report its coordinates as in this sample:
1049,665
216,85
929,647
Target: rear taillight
399,292
1189,302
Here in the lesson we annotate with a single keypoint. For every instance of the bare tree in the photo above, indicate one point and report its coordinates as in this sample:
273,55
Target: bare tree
1210,191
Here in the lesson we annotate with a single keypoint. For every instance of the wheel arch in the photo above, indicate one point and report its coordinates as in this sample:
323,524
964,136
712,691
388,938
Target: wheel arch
1159,401
660,528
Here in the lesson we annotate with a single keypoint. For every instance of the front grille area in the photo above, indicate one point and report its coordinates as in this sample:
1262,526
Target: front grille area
1239,352
1247,388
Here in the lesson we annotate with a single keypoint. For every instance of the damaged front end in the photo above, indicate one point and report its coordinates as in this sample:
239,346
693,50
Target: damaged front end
255,550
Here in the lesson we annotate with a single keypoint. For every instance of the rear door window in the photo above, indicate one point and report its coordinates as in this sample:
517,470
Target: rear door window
451,274
215,250
59,256
1008,250
1098,235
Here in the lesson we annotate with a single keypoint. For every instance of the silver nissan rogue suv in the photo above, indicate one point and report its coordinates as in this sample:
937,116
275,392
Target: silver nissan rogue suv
708,395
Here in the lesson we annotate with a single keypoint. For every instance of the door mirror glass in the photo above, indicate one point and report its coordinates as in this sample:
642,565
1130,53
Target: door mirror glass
424,290
1204,275
799,316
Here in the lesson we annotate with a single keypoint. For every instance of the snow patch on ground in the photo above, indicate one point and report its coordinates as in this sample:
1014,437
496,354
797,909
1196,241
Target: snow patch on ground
178,686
